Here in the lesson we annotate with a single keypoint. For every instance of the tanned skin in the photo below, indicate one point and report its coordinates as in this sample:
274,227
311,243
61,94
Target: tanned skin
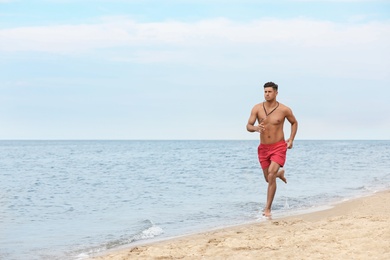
271,131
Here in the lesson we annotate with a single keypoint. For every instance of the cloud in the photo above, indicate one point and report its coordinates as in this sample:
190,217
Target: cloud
316,44
126,32
300,45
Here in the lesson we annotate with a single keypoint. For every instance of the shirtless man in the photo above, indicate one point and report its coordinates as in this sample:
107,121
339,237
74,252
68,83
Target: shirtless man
270,116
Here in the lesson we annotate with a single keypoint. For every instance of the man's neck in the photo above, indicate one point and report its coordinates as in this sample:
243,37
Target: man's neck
271,103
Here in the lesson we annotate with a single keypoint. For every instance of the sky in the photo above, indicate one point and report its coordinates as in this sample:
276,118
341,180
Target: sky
192,69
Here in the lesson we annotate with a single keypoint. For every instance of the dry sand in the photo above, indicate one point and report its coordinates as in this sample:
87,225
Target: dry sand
357,229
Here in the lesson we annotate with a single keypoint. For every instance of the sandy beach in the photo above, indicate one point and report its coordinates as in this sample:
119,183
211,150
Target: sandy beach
356,229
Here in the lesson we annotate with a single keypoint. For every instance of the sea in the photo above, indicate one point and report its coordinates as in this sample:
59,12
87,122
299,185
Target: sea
77,199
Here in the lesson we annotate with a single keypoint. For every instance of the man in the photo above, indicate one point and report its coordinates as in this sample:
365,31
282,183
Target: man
270,116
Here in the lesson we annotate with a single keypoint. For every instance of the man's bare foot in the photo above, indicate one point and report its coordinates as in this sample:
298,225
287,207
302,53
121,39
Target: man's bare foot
280,175
267,213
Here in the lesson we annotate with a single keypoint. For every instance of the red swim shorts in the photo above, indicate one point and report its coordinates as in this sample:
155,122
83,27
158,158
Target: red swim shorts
272,152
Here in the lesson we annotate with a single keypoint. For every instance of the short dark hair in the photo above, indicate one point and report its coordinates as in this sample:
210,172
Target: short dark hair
271,85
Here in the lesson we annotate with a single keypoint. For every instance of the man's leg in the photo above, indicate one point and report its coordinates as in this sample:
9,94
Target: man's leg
280,175
270,175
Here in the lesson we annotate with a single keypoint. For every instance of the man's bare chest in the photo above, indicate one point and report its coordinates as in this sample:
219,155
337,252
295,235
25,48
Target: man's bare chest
276,118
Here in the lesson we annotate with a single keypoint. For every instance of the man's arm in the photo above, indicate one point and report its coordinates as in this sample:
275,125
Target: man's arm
250,126
294,128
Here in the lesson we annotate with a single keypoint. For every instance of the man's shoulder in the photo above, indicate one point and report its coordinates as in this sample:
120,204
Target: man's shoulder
284,107
257,106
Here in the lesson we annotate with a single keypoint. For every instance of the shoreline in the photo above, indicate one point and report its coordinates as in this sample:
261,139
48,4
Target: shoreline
356,228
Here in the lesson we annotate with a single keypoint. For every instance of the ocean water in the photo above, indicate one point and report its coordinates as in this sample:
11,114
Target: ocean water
74,199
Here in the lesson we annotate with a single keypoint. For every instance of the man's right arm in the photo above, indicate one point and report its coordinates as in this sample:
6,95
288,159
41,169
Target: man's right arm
250,126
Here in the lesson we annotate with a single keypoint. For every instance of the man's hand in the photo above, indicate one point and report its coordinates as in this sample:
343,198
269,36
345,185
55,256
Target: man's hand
260,128
289,144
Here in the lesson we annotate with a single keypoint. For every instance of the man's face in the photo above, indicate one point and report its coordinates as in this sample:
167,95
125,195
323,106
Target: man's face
270,93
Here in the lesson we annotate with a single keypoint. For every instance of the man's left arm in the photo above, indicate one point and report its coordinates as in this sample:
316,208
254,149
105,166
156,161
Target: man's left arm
294,128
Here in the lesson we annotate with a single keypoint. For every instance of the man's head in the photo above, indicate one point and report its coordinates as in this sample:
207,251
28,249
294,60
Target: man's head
271,85
270,91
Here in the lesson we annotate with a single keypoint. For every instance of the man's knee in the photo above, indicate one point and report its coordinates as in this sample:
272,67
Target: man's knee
272,175
273,169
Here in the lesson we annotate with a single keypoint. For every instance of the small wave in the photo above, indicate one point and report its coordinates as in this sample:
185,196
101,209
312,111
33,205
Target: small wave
149,233
148,230
356,188
286,205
